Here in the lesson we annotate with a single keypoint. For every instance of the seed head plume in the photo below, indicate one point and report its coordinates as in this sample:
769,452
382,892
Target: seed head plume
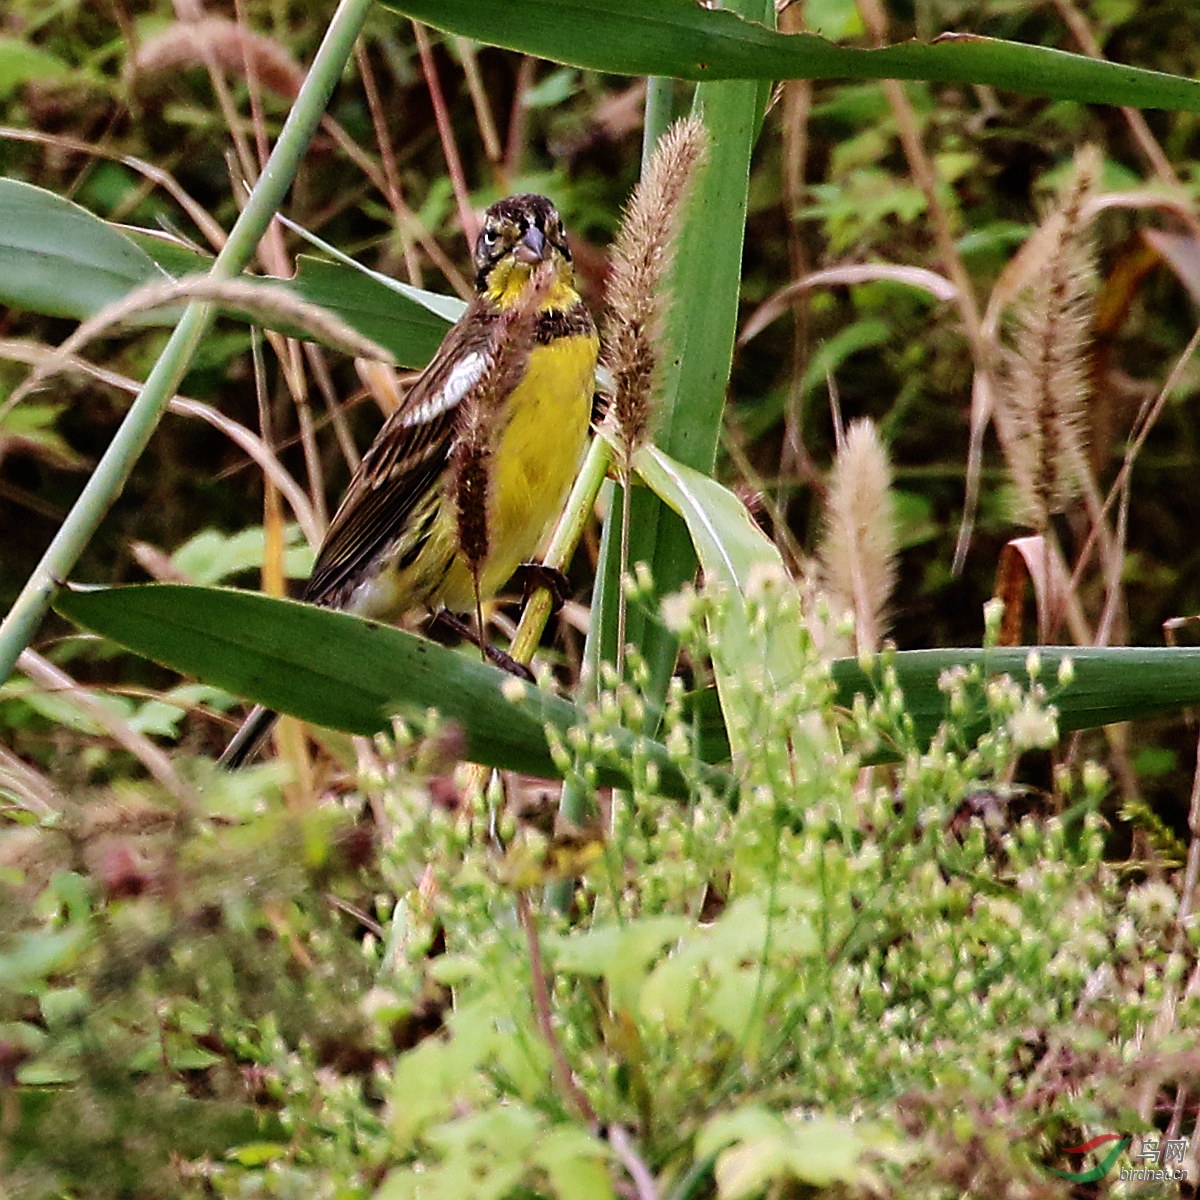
857,554
1040,418
225,43
641,259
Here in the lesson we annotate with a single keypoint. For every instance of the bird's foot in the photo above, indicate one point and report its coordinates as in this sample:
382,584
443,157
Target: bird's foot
534,575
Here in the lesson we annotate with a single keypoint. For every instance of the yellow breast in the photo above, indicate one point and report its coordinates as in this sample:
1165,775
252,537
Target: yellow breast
536,454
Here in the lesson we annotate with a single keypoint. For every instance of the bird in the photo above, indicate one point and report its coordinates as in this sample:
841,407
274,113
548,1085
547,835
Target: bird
482,450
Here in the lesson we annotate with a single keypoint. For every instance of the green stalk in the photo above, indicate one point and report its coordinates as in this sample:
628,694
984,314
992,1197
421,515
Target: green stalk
575,803
705,286
601,643
660,110
562,546
700,334
161,384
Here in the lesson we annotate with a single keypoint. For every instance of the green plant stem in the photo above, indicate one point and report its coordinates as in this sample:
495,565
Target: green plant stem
660,107
575,802
562,546
603,641
537,609
701,324
164,379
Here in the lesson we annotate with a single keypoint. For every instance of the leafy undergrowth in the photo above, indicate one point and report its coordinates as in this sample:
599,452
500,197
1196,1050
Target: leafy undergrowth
928,981
922,982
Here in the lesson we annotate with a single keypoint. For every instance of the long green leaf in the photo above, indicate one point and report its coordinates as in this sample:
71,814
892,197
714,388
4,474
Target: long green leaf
408,327
1111,683
337,670
701,324
57,258
343,286
692,41
736,556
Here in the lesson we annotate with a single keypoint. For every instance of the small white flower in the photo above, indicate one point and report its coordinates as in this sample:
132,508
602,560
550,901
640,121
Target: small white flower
677,609
1033,727
993,614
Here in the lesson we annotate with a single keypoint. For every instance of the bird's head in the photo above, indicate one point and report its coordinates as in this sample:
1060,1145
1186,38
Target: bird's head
520,233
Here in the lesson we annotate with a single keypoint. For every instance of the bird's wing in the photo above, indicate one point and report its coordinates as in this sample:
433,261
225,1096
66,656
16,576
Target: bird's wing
406,459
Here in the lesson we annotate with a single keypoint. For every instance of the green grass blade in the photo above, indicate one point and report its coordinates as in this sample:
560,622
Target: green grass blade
740,560
1111,683
57,258
339,671
692,41
405,325
701,325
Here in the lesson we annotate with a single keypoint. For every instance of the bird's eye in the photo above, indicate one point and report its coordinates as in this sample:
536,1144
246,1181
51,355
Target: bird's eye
489,237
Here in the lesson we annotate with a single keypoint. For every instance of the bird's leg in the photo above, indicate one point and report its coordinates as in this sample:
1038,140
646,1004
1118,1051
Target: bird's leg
455,624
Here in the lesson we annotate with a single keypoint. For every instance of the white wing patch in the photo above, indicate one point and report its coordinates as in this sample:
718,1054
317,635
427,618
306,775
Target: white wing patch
464,375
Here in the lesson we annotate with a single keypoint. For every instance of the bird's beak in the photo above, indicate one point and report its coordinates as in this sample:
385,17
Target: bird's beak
531,248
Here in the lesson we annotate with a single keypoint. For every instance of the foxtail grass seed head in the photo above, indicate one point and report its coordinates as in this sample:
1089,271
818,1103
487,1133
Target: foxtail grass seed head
1041,414
472,471
858,550
206,41
477,417
641,260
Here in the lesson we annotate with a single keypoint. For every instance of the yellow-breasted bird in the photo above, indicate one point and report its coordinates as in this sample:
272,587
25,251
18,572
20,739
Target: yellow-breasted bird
519,366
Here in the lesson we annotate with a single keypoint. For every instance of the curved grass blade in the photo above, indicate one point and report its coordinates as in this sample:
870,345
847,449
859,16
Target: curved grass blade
57,258
693,41
408,326
1110,684
340,671
738,557
408,321
759,643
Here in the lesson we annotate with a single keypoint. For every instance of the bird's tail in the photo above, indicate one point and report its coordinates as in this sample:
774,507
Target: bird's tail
246,743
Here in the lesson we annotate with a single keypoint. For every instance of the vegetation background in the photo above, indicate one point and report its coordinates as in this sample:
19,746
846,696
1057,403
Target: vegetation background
229,1002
